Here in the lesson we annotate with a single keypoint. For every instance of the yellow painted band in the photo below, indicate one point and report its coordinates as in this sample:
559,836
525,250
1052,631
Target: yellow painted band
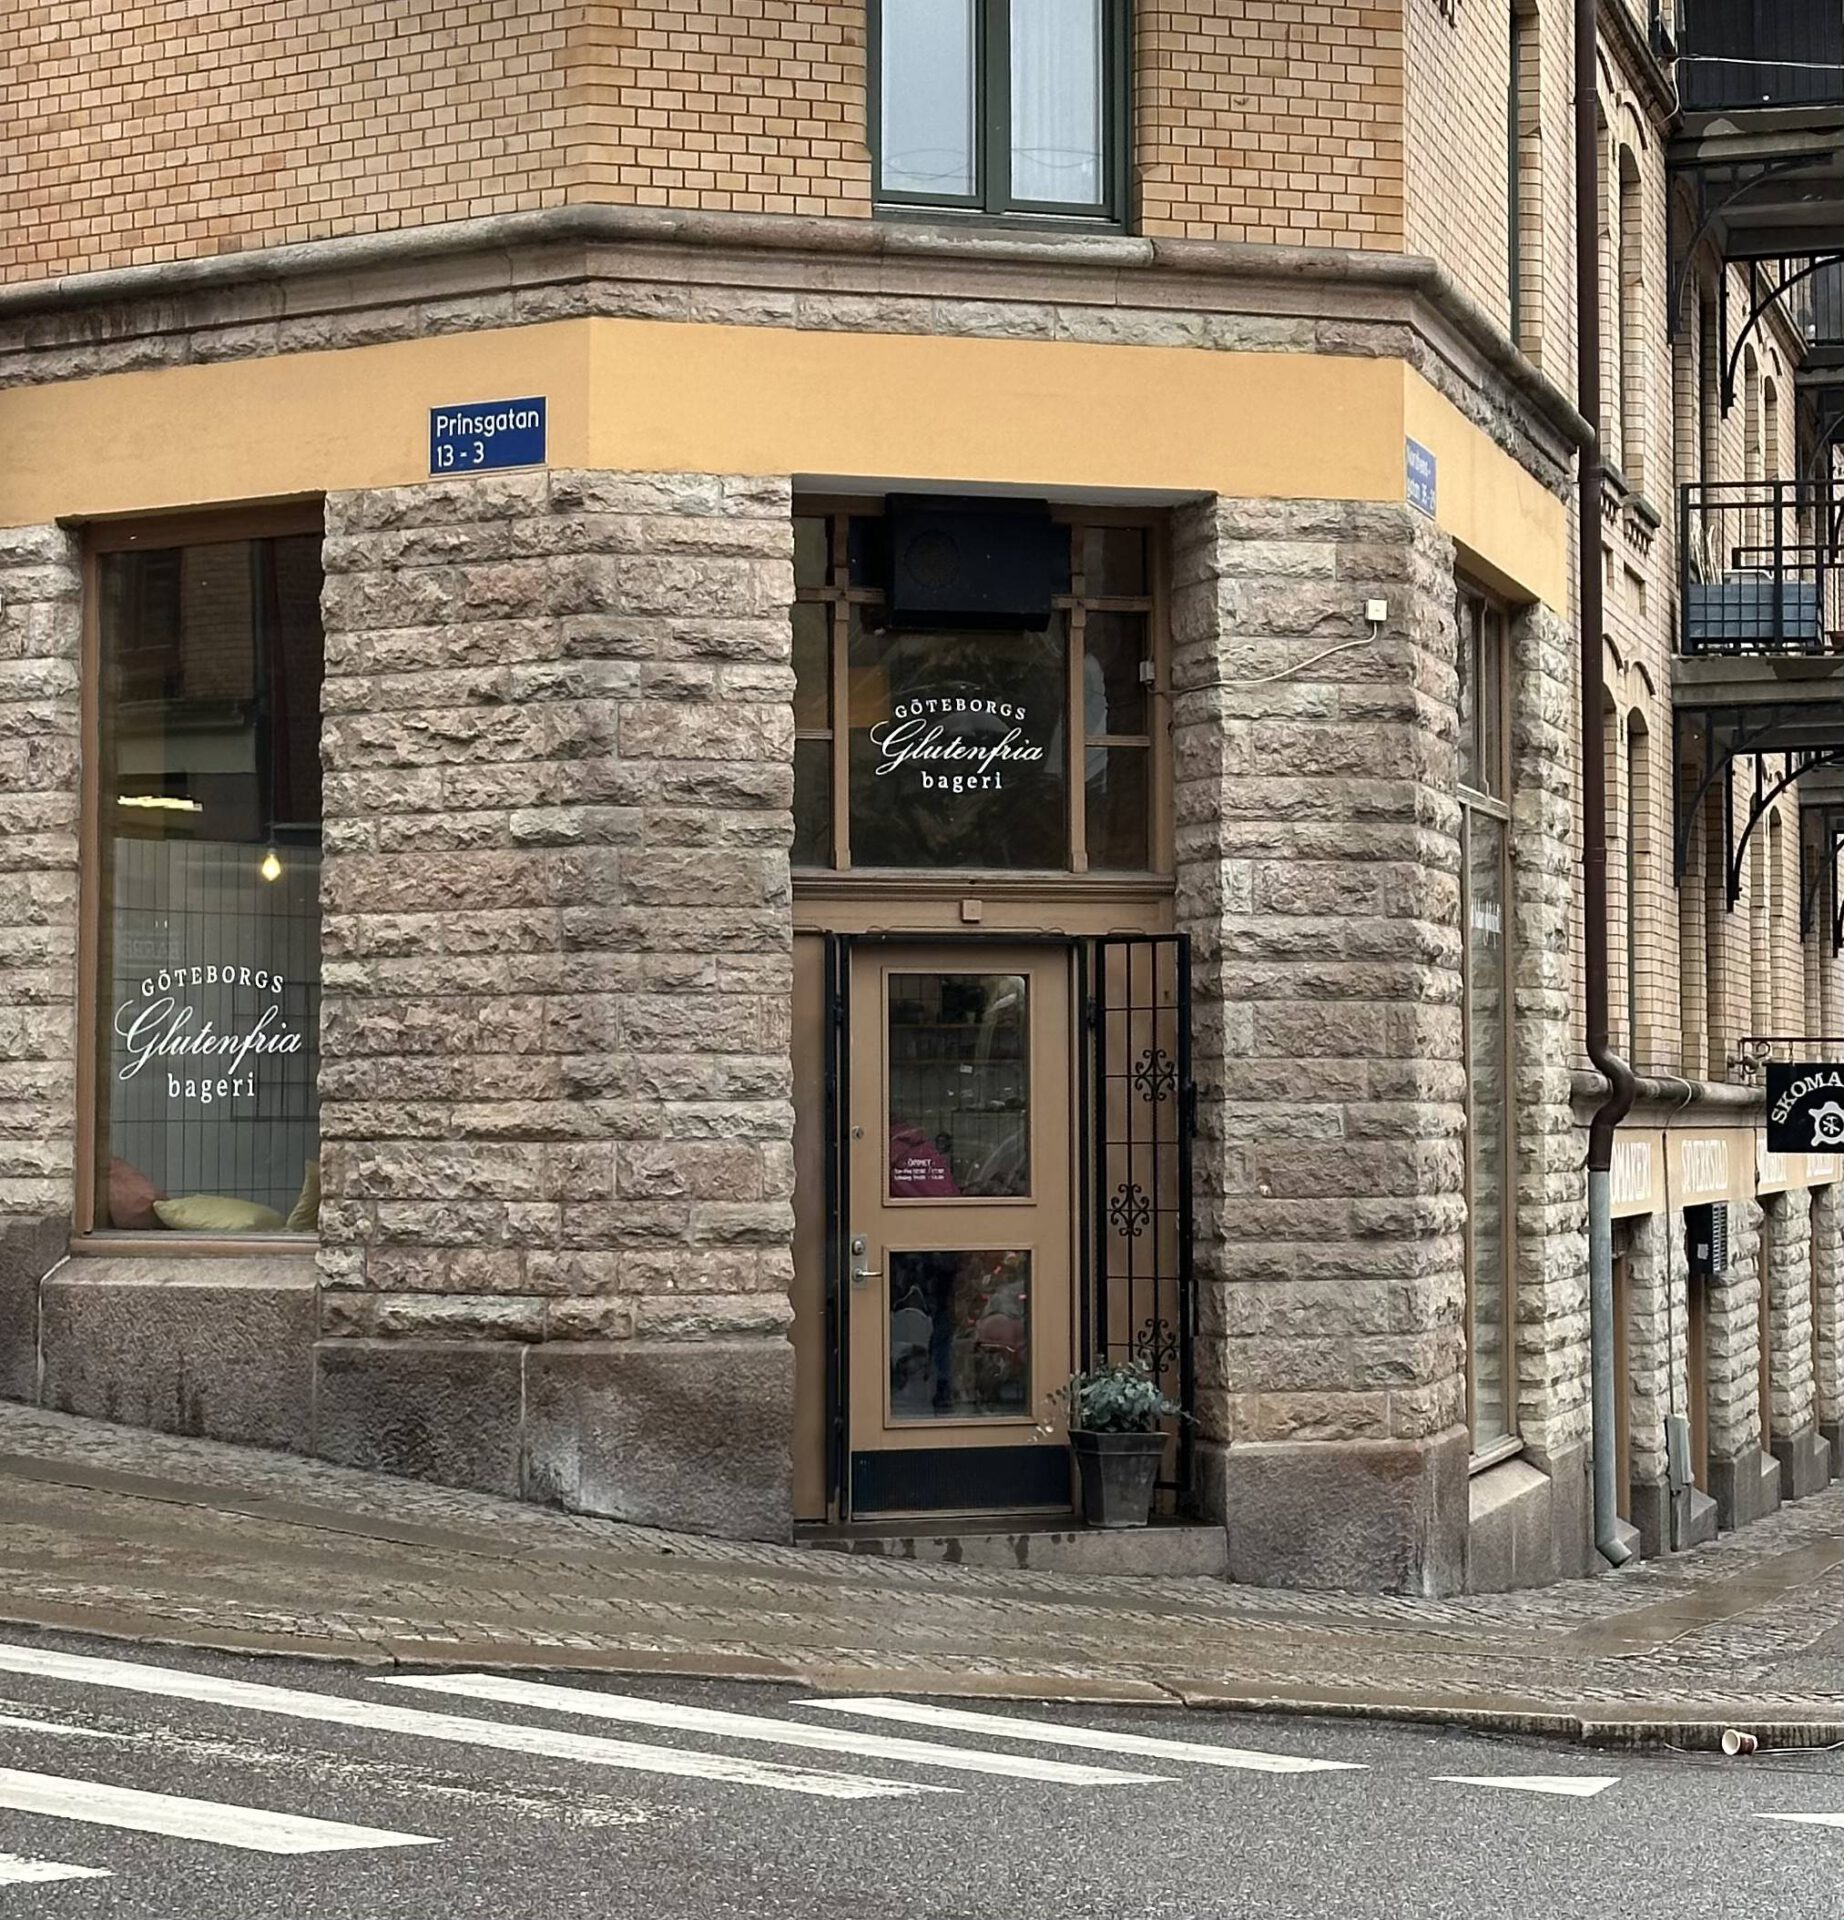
656,396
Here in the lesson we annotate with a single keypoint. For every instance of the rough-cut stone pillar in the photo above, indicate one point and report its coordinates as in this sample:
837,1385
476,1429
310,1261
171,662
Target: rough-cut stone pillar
1555,1412
1828,1305
1653,1357
40,626
1744,1477
556,1093
1318,873
1789,1303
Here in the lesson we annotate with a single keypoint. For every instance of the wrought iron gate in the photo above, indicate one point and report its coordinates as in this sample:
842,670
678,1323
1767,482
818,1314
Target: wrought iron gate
1140,1116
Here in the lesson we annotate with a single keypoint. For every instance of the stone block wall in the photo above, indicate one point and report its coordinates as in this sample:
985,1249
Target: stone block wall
1554,1409
556,1092
1787,1305
1318,874
1828,1308
40,631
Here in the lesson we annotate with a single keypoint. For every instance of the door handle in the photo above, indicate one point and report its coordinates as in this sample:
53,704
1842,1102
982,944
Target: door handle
861,1274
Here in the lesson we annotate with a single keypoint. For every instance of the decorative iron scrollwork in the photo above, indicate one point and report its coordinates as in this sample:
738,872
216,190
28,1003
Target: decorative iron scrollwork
1130,1211
1156,1346
1155,1075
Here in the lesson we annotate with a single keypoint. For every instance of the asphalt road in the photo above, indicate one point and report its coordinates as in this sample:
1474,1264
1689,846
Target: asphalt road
454,1802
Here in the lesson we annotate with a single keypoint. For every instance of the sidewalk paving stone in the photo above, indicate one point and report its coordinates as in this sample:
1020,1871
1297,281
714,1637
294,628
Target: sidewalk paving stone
116,1531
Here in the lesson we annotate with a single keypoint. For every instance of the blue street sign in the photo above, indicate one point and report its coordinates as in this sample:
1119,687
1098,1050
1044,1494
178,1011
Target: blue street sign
1421,477
480,435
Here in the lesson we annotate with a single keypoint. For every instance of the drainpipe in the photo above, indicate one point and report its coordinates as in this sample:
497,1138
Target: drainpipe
1620,1082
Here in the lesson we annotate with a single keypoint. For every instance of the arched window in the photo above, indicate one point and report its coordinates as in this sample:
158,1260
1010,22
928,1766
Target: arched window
1524,185
1629,309
1638,849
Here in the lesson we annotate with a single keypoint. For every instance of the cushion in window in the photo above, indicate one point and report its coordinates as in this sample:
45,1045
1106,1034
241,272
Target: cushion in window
304,1215
217,1213
131,1198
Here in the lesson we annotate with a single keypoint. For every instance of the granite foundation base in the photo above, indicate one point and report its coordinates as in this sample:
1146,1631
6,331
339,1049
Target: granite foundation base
1376,1516
695,1434
1649,1504
1745,1488
1530,1522
216,1348
29,1249
1833,1431
1805,1463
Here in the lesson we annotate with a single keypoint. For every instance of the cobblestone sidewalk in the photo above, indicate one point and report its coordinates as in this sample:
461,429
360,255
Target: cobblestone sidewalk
108,1530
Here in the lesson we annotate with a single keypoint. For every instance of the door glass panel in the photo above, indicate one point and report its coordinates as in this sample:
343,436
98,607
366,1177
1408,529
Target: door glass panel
1056,101
960,1086
958,749
960,1335
927,92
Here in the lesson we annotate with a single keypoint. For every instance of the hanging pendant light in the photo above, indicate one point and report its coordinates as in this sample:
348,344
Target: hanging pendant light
271,868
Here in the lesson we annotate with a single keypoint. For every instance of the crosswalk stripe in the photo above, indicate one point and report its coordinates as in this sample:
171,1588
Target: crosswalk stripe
1576,1786
17,1871
1056,1733
247,1696
255,1829
21,1723
749,1726
1808,1819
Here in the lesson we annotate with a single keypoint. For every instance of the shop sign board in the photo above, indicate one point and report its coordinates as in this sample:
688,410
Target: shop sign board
1805,1106
485,436
1637,1182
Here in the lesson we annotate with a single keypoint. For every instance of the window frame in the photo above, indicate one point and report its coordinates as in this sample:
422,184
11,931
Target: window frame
100,538
1155,742
992,199
1478,610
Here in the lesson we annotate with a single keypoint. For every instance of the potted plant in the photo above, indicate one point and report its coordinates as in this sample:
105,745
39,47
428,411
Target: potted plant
1114,1415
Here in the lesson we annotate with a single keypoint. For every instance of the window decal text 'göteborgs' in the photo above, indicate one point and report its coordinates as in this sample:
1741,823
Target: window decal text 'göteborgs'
160,1026
926,733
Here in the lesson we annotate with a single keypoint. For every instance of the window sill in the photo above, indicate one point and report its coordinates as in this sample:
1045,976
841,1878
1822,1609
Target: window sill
187,1246
1496,1454
977,218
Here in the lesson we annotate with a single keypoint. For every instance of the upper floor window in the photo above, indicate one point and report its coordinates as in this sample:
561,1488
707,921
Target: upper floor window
1001,106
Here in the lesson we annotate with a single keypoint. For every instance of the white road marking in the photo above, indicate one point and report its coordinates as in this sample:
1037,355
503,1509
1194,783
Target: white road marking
24,1725
1055,1733
749,1726
17,1871
1807,1819
253,1828
1576,1786
331,1709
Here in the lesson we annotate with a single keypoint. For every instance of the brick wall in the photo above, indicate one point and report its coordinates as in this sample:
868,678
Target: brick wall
1262,121
149,130
746,106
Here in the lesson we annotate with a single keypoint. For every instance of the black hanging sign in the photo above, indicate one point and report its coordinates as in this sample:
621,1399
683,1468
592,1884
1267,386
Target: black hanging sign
1805,1107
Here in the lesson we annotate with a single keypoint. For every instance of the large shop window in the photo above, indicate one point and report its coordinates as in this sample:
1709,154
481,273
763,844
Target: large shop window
1485,816
1027,751
1013,107
206,908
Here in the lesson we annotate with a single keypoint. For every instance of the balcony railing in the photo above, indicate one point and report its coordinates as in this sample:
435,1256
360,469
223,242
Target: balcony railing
1761,567
1735,55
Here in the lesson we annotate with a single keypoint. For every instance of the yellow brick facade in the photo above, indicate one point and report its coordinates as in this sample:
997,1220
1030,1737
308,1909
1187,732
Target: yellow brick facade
730,106
139,131
1270,121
